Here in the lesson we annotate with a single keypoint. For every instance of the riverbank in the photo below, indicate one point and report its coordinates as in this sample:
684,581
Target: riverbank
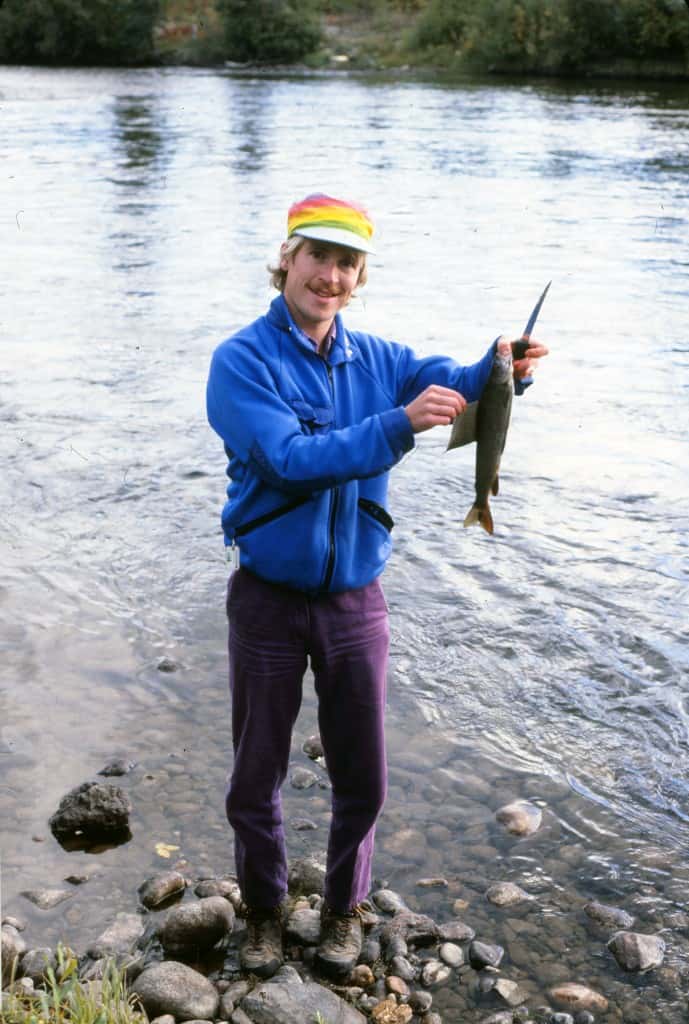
386,37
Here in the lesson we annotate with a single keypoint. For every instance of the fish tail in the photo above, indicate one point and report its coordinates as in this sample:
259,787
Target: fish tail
480,514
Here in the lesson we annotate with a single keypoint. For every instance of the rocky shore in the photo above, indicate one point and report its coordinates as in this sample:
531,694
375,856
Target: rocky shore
178,947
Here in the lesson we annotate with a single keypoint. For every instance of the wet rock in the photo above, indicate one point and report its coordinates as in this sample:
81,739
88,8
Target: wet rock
561,1018
584,1018
433,883
510,992
506,894
575,997
434,974
197,926
167,665
118,766
304,927
36,962
173,988
370,951
307,875
397,986
313,747
608,917
451,955
118,938
95,810
400,966
432,1018
303,825
420,1002
161,887
303,778
18,942
46,899
286,999
363,976
520,818
636,952
165,1018
231,996
388,1012
18,923
455,931
226,886
503,1017
388,901
481,955
414,929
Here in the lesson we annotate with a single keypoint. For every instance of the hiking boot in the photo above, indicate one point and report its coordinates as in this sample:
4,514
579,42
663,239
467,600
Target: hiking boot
341,938
261,951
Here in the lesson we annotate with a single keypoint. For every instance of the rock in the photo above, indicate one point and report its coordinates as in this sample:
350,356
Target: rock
231,996
608,917
433,883
119,766
396,986
370,951
18,942
520,818
165,1018
313,747
96,810
575,997
503,1017
303,778
226,886
509,991
307,875
304,927
561,1018
303,825
198,925
119,938
173,988
167,665
388,901
636,952
434,974
363,976
451,955
414,929
400,966
584,1018
455,931
36,962
286,999
160,887
46,899
420,1001
483,955
388,1012
506,894
17,923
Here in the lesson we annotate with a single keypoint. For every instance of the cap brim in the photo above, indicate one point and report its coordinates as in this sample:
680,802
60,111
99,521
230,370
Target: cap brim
336,236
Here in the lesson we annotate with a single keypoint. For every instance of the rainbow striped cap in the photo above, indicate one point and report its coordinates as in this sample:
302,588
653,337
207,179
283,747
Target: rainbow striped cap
331,220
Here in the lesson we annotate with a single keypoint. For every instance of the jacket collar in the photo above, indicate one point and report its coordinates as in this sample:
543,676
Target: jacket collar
343,348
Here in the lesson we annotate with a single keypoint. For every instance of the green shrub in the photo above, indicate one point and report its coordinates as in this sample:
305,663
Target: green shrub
269,31
77,31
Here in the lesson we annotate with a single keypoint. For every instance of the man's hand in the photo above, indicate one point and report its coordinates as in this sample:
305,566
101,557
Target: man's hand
525,367
434,407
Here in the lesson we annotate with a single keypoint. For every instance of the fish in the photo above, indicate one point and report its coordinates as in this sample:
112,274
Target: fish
487,422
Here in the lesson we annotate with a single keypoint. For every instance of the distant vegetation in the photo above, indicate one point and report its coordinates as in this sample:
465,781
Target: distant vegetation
544,36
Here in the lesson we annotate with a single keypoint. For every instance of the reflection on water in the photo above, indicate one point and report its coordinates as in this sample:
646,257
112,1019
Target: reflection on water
546,662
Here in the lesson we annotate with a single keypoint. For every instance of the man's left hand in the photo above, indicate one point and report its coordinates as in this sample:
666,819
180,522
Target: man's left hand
525,367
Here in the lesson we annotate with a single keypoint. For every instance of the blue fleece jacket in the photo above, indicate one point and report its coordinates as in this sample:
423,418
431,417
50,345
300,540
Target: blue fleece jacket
310,441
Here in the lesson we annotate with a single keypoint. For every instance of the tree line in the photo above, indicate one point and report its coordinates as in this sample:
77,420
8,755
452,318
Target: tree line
544,35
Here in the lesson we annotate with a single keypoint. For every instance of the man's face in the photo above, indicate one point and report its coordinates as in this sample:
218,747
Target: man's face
320,280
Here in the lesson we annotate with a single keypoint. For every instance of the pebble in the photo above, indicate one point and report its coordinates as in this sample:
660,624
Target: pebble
363,976
388,1012
303,778
388,901
160,887
506,894
167,665
635,952
313,747
198,925
396,986
420,1002
119,766
481,955
452,955
46,899
307,875
456,931
608,917
510,991
433,883
119,938
573,996
520,818
435,974
303,825
400,966
173,988
304,927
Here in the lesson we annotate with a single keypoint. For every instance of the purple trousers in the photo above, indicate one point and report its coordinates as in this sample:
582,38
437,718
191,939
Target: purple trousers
273,631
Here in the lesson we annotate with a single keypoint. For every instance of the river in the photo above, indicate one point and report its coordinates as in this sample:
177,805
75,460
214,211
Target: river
549,662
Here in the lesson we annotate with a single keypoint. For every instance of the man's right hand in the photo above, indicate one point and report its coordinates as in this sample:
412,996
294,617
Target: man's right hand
435,407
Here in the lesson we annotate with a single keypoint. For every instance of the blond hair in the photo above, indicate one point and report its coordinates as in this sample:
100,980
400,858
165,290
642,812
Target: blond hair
289,249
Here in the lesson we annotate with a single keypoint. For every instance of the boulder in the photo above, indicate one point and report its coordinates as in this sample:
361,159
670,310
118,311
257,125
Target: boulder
173,988
636,952
196,926
286,999
95,810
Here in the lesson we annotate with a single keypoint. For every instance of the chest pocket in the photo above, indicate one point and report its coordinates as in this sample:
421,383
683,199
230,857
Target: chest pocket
314,419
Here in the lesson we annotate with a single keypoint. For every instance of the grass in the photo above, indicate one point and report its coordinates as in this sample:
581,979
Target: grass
68,1000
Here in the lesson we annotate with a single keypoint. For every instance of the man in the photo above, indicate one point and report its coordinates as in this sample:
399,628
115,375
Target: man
313,417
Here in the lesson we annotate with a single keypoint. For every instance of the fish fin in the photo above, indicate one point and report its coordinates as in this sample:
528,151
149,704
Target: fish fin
478,514
496,485
464,427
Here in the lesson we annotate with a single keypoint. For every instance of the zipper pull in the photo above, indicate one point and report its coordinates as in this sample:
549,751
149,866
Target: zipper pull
232,556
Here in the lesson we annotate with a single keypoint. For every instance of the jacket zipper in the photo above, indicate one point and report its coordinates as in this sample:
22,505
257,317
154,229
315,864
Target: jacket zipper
268,517
334,501
377,512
